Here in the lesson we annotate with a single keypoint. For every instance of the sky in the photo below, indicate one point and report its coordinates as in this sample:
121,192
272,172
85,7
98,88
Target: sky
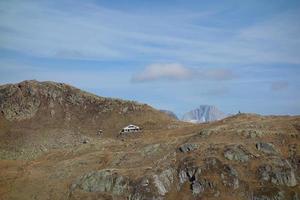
175,55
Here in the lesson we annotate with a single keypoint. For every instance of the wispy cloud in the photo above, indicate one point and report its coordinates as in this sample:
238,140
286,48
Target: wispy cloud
91,31
176,71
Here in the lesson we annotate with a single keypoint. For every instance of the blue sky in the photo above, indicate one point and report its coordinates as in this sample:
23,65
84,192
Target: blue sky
176,55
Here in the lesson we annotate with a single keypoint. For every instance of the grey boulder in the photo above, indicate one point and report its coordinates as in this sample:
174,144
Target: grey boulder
188,147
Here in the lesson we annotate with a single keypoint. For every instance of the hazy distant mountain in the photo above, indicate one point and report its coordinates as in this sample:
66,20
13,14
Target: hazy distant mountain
204,113
170,113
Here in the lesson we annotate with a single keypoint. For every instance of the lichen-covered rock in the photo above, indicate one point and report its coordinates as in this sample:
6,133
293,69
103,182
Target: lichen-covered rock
236,153
18,102
197,188
278,174
142,189
164,181
267,148
102,181
188,147
188,171
230,170
229,177
202,185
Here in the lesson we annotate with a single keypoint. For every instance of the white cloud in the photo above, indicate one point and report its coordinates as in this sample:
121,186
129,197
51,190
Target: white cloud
176,71
158,71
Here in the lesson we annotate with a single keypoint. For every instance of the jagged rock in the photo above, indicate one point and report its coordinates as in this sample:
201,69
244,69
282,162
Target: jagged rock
264,172
143,190
200,186
188,171
188,147
197,188
182,176
278,174
102,181
236,153
284,177
230,170
266,148
18,102
231,178
164,181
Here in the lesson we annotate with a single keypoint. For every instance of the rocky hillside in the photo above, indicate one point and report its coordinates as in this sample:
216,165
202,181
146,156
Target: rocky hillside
50,115
204,113
243,157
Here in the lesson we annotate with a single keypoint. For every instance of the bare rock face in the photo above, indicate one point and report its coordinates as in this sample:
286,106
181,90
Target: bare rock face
197,188
267,148
19,102
164,181
279,173
237,153
103,181
188,147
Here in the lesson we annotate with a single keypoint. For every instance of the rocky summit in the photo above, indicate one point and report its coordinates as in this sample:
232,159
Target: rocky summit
59,142
204,113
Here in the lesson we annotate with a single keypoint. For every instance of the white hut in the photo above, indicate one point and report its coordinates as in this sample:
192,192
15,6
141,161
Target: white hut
130,129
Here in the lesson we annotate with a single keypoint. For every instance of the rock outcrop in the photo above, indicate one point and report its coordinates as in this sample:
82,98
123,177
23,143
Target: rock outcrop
267,148
103,181
163,181
19,102
280,172
237,153
188,147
